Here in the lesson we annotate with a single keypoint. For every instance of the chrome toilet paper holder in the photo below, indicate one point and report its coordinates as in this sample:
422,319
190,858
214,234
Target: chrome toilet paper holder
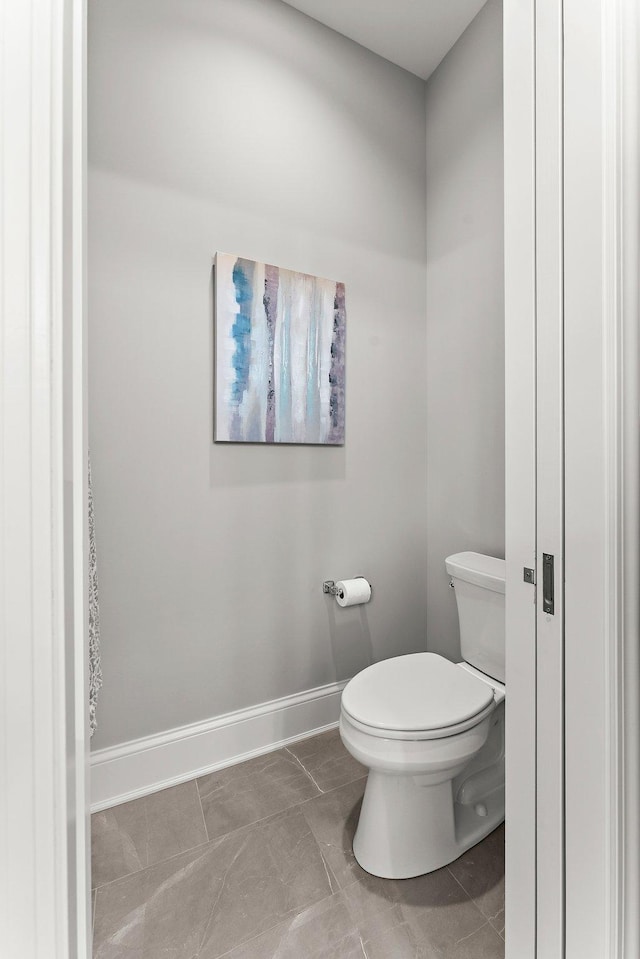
329,586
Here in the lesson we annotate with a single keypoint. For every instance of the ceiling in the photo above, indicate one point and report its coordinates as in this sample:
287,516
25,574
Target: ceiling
414,34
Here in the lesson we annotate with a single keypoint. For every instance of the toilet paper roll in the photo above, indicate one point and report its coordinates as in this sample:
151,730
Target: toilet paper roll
351,592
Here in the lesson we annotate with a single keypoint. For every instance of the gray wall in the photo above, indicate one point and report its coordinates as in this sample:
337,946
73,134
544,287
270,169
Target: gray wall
243,126
465,313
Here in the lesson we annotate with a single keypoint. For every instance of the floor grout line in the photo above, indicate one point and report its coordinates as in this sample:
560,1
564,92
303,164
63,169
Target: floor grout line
487,919
206,828
263,932
161,862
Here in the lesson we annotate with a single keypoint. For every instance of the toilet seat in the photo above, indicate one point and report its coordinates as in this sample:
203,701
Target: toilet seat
415,697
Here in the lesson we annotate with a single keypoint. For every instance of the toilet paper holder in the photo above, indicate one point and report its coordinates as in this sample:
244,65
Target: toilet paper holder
329,586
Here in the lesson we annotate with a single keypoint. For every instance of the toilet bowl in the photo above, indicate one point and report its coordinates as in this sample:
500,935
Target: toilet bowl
431,733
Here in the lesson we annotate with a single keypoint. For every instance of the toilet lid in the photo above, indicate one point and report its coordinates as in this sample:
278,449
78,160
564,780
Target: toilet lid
414,692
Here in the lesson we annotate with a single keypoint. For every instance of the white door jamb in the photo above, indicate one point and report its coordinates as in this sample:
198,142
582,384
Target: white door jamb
44,888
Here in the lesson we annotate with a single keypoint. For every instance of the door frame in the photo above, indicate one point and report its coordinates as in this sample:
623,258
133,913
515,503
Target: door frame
44,836
520,472
602,533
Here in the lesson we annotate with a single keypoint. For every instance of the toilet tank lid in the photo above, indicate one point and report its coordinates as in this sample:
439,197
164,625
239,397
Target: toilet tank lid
476,568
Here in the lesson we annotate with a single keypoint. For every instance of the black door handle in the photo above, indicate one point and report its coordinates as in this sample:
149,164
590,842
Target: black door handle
547,583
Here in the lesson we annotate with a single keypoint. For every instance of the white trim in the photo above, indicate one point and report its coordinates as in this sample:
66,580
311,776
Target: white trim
549,481
75,347
143,766
43,722
520,516
628,203
621,251
601,418
587,682
612,423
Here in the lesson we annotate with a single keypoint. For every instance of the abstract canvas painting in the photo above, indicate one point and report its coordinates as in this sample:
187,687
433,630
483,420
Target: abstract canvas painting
280,355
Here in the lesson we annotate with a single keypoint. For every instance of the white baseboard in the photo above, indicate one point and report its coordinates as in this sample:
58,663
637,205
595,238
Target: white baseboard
146,765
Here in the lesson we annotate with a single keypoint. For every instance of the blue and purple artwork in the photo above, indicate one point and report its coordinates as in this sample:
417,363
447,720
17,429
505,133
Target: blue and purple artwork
280,355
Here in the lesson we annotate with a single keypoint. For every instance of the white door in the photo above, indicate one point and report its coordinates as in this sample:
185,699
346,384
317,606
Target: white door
572,201
520,487
549,252
534,480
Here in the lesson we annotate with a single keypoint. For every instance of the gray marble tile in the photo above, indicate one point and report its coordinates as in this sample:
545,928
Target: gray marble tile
251,791
395,942
430,916
497,918
323,931
374,904
402,943
480,871
327,761
210,900
145,831
333,818
484,944
279,872
160,911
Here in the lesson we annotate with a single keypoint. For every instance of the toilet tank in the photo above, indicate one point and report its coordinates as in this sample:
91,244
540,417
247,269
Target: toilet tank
479,588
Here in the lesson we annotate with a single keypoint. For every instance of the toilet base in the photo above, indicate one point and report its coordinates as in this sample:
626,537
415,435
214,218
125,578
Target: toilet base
407,829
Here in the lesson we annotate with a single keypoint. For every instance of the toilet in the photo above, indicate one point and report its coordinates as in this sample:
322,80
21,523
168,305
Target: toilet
431,733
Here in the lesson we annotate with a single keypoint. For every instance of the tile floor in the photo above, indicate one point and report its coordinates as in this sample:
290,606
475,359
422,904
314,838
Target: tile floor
255,862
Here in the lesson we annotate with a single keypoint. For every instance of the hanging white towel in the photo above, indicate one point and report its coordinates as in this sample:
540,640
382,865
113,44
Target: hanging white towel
95,671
